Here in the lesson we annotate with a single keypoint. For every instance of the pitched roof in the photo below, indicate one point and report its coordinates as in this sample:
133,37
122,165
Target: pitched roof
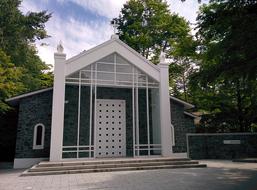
114,45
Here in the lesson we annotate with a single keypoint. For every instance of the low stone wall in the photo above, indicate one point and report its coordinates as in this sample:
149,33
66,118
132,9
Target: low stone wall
222,145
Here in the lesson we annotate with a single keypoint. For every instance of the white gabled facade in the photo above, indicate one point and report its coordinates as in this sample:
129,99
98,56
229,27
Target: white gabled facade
158,73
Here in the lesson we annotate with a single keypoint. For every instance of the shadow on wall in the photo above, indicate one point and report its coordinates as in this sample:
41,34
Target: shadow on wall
8,131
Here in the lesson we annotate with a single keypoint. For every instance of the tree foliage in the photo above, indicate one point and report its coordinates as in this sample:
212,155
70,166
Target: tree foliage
10,76
183,65
149,27
19,59
226,87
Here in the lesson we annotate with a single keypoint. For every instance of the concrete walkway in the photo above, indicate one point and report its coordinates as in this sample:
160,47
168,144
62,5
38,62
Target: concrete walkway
220,175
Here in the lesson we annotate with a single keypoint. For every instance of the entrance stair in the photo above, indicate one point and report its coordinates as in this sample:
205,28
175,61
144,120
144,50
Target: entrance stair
108,165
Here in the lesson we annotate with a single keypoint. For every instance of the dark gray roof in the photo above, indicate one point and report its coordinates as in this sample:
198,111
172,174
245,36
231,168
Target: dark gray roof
14,100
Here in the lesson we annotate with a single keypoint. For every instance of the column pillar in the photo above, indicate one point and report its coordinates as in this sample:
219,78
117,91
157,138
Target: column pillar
58,105
165,118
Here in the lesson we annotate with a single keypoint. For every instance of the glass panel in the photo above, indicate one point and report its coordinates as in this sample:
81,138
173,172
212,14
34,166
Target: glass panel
155,130
102,76
110,71
84,116
142,120
121,60
124,78
70,115
124,68
109,58
105,67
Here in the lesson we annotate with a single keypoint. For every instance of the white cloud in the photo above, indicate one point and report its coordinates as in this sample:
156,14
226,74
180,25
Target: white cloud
107,8
78,36
187,9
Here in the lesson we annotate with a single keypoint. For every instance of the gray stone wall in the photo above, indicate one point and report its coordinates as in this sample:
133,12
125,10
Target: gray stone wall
183,124
33,110
37,109
211,146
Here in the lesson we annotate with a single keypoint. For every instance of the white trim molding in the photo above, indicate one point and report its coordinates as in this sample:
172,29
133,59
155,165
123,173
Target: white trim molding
107,48
41,145
190,114
26,162
165,117
186,104
58,107
173,134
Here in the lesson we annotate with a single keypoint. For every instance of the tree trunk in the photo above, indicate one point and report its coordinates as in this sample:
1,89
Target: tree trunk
184,87
239,106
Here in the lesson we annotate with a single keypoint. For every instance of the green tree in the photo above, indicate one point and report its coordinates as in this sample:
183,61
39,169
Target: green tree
225,86
183,65
149,27
18,33
9,80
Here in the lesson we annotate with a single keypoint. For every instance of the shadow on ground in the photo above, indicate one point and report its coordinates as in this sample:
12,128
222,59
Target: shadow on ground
210,178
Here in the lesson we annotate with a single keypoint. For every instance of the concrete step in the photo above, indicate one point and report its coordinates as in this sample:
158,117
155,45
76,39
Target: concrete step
109,165
111,161
27,173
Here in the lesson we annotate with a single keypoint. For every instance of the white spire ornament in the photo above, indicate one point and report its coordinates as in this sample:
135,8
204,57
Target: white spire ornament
115,26
60,47
162,57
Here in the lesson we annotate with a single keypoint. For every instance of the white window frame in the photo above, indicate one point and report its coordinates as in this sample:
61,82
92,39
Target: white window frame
41,146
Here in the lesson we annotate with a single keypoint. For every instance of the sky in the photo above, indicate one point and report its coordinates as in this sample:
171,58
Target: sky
83,24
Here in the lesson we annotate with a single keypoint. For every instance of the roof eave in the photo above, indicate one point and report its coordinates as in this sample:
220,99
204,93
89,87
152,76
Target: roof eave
186,104
14,100
190,114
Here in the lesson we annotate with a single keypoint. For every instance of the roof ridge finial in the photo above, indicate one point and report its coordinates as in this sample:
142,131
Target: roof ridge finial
115,28
60,47
162,57
114,25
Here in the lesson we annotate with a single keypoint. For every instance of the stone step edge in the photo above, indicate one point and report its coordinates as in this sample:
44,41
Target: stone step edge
98,166
90,162
26,173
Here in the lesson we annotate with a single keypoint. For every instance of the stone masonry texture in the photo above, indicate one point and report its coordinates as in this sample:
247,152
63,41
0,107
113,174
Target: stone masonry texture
38,109
211,146
183,124
33,110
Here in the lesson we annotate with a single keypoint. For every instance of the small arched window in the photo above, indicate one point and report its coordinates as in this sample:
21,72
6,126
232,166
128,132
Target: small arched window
39,135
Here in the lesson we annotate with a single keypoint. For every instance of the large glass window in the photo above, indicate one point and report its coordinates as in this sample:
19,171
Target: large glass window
112,77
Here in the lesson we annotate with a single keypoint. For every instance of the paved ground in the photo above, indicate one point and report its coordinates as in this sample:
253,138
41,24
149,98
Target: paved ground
220,175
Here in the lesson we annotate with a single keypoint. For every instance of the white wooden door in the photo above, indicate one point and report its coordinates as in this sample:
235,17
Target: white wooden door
110,128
